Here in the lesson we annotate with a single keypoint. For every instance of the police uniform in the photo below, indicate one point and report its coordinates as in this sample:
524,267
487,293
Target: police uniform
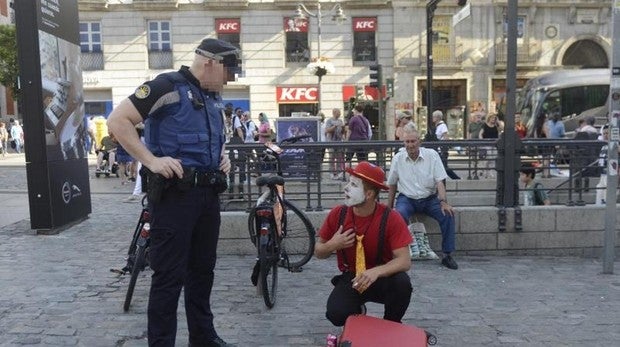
183,121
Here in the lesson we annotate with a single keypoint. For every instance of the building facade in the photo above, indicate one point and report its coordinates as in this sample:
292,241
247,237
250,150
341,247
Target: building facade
125,42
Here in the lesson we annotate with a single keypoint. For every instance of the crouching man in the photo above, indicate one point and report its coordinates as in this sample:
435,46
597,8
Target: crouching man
371,242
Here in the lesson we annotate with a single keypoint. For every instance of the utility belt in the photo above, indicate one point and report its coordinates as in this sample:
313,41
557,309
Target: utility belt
155,184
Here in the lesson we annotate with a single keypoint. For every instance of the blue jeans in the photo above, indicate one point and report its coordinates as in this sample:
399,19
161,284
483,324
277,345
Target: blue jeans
431,207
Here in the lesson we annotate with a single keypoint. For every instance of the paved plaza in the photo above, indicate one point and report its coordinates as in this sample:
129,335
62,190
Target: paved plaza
58,290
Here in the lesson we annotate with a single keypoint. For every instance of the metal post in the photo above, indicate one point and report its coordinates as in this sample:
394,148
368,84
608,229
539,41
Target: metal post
609,239
510,136
430,13
319,15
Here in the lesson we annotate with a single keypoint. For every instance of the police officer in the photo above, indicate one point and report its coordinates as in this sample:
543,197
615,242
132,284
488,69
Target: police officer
184,134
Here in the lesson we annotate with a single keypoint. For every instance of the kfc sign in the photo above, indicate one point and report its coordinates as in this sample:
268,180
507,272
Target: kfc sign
364,24
227,26
292,25
297,95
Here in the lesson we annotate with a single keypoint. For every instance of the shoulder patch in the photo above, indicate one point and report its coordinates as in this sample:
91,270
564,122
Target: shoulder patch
143,91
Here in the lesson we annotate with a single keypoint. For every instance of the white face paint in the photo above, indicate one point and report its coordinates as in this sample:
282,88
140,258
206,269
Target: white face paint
354,192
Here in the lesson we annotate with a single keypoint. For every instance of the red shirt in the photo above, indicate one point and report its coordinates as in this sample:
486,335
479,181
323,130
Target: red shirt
396,235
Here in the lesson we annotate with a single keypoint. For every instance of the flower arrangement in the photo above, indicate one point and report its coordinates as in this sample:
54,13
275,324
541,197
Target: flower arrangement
320,66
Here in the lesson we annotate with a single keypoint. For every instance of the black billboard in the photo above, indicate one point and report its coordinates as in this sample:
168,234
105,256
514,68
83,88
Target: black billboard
52,106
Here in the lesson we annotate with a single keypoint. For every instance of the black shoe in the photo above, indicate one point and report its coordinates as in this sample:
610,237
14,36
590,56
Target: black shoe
448,262
218,342
255,271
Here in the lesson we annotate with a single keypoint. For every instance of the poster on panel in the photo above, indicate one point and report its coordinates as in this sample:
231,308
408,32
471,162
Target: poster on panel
53,112
298,162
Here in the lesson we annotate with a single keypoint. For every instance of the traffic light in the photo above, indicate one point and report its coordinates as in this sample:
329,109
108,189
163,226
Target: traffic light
376,76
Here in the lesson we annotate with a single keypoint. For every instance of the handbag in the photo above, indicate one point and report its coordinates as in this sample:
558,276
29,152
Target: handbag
13,144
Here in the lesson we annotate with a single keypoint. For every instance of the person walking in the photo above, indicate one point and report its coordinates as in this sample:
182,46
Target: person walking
371,243
4,139
490,130
17,136
402,118
184,155
334,132
418,174
359,130
441,132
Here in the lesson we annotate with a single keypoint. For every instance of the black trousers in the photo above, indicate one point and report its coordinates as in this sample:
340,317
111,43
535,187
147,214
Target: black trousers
393,292
185,229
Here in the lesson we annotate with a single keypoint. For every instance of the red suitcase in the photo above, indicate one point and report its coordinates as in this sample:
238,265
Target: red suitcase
367,331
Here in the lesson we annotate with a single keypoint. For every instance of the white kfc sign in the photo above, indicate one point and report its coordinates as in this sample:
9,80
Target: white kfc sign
364,24
297,94
227,25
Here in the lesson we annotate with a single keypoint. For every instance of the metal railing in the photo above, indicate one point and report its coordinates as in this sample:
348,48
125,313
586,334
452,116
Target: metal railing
565,167
160,60
526,53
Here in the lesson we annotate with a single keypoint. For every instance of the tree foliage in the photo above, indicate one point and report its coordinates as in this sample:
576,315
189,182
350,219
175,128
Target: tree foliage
9,68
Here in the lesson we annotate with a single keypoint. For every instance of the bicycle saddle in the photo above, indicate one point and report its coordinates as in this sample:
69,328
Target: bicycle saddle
269,181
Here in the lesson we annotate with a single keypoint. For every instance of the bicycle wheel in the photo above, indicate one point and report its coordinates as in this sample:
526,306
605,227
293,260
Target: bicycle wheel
252,225
299,237
269,273
135,271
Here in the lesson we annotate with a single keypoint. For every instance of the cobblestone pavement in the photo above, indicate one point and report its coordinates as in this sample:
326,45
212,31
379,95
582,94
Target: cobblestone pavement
57,290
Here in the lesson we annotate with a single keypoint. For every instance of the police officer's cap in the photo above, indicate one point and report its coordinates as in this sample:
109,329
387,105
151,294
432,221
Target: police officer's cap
219,50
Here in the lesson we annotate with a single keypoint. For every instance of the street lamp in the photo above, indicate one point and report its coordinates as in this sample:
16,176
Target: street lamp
321,65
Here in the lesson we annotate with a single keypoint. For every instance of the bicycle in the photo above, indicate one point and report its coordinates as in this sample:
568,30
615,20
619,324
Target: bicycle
138,253
281,232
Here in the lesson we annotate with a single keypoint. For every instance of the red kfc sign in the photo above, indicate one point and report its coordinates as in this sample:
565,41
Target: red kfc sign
297,94
293,25
227,25
364,24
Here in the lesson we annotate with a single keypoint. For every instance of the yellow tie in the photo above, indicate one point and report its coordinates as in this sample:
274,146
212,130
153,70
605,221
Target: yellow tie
360,259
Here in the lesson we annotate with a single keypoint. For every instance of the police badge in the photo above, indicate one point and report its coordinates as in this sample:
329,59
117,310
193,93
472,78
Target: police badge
142,91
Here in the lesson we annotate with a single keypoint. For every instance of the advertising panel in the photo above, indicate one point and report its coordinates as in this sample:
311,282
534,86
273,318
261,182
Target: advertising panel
53,114
298,162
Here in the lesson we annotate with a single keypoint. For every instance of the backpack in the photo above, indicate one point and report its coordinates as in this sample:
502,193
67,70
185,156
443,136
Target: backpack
384,217
538,199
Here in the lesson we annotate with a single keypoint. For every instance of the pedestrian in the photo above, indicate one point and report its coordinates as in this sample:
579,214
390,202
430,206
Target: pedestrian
441,132
417,173
17,136
402,118
4,139
601,187
520,128
534,193
374,268
334,132
490,130
106,151
359,130
184,155
264,128
251,130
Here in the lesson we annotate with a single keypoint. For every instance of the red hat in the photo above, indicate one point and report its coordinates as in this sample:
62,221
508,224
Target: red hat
370,173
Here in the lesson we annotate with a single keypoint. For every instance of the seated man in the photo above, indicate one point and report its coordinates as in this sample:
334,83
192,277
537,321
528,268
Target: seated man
106,151
418,174
371,242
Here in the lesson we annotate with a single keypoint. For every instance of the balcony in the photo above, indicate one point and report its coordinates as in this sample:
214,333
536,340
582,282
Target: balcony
92,61
159,60
527,54
364,56
444,54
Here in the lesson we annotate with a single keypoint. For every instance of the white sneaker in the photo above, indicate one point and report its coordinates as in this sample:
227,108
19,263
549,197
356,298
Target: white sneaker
133,198
414,250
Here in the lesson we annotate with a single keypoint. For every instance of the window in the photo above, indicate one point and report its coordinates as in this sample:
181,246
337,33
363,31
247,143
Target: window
90,46
297,49
364,41
90,36
229,30
160,47
159,36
